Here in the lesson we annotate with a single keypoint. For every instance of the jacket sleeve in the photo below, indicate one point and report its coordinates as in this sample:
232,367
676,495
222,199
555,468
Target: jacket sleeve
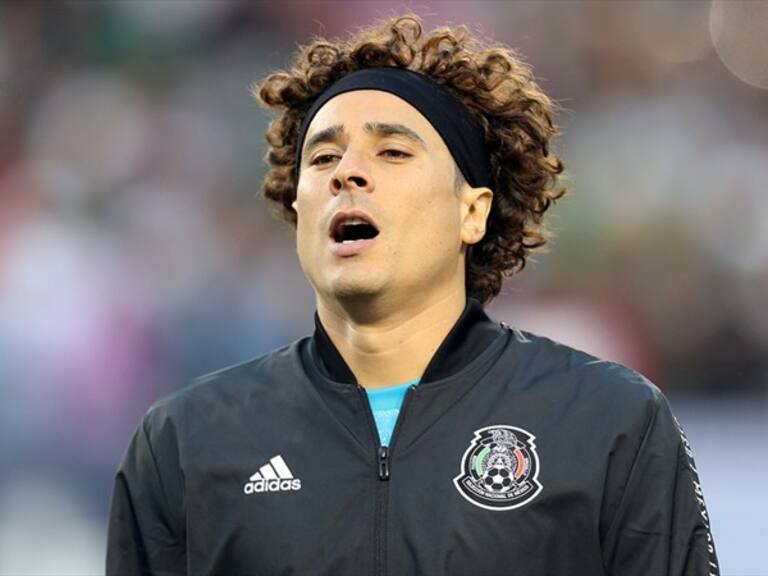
145,534
661,525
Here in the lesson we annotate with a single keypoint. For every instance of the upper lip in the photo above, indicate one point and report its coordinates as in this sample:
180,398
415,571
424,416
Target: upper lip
343,215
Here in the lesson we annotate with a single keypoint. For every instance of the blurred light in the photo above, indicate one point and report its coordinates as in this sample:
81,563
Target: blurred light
192,148
171,18
739,32
640,173
6,60
55,277
92,125
45,529
730,223
669,31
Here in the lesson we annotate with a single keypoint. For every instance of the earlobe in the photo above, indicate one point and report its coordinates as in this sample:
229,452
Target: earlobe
472,235
478,208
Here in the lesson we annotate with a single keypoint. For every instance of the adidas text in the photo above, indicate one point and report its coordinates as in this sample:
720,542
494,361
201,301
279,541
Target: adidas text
275,485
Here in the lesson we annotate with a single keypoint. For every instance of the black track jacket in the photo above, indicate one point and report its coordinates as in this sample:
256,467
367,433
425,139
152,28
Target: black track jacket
515,455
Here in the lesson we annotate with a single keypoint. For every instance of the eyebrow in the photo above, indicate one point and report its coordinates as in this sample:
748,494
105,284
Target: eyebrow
332,133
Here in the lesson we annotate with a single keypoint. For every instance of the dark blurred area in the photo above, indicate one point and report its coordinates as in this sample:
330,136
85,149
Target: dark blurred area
136,251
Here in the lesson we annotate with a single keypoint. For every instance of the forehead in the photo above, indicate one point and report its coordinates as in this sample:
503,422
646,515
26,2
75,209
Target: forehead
354,109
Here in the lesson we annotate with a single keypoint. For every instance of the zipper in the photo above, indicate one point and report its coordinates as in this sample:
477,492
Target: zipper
383,463
383,469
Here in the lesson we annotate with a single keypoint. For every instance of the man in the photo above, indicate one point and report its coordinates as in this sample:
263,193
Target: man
411,434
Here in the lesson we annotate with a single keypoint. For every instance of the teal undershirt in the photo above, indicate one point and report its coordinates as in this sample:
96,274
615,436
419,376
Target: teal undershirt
385,405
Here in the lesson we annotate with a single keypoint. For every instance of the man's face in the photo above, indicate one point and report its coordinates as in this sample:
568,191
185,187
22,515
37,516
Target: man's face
371,151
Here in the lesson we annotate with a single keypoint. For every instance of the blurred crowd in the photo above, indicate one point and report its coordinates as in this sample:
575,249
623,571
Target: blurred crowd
137,253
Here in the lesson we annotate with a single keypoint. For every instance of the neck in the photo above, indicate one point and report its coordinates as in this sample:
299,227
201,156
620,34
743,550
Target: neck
391,347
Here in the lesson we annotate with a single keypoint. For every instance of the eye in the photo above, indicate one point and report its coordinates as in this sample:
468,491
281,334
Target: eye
392,153
322,159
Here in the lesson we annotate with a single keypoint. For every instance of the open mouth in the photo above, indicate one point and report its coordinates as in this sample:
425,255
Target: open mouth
354,231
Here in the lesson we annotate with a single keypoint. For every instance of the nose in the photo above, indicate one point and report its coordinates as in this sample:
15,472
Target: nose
352,174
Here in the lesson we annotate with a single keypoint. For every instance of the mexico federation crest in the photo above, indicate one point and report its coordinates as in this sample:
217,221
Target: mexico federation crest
500,468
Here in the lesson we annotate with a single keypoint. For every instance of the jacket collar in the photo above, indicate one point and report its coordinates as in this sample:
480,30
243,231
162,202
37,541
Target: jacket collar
470,335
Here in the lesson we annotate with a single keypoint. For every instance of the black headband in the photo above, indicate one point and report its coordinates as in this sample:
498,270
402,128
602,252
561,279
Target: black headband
461,133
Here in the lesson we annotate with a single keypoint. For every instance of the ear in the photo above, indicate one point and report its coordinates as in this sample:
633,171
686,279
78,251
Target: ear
475,208
293,205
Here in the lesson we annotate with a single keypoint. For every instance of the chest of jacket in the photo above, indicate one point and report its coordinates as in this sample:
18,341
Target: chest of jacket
479,478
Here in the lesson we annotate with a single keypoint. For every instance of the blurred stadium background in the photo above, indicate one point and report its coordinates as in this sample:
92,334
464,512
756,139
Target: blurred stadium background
136,253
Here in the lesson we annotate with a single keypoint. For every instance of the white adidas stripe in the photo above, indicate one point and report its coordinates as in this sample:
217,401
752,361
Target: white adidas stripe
281,467
267,472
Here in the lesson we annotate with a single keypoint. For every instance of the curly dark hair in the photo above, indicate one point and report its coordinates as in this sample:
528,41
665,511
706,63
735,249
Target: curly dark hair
490,80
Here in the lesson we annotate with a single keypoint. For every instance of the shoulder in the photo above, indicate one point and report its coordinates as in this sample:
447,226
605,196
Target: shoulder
229,388
603,400
585,378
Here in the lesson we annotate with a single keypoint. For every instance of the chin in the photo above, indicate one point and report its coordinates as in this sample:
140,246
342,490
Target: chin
352,291
349,288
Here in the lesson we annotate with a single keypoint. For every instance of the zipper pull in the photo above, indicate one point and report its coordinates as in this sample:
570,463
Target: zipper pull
383,463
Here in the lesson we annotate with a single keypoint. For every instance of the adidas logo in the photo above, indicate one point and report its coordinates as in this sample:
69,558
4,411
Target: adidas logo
272,477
